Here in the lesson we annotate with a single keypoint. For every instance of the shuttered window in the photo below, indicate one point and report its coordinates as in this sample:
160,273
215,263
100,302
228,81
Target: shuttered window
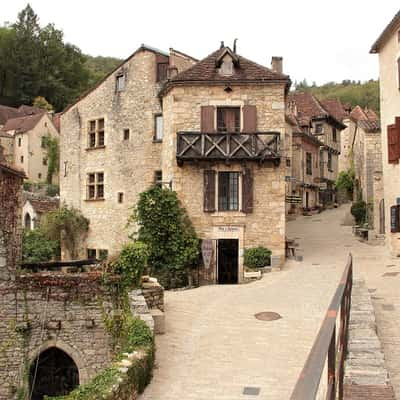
395,219
247,191
228,191
308,163
393,144
228,119
249,119
207,119
209,191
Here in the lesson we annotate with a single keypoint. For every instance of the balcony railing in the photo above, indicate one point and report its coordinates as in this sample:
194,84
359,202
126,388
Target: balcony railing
225,146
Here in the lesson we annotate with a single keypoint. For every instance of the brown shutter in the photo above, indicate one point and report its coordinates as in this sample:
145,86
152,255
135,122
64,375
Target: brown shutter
207,119
393,144
395,219
209,190
249,119
247,191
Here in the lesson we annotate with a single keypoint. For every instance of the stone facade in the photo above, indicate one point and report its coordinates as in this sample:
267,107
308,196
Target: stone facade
388,48
128,163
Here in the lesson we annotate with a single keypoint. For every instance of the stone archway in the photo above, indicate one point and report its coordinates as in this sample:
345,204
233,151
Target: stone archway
27,222
53,373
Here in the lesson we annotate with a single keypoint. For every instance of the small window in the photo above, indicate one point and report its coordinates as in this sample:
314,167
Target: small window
319,128
91,254
96,133
158,178
228,191
159,127
288,162
308,163
329,161
120,82
39,175
103,254
398,36
95,186
120,197
334,134
22,159
228,119
43,142
20,142
162,70
126,134
45,124
44,161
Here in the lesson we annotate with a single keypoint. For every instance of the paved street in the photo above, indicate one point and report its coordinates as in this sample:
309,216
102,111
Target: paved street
214,347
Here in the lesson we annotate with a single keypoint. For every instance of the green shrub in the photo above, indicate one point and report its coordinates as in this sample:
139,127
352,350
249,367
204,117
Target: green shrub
257,257
52,190
345,181
36,247
359,211
131,263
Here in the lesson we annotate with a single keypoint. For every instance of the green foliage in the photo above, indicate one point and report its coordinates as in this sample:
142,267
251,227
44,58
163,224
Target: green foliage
66,224
41,102
359,212
52,190
345,181
257,257
36,247
166,229
52,147
99,67
364,94
131,263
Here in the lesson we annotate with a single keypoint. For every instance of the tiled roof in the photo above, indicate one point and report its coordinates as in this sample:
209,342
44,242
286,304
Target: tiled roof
7,113
291,119
11,169
29,110
335,108
366,119
44,205
5,135
386,32
56,121
206,70
22,124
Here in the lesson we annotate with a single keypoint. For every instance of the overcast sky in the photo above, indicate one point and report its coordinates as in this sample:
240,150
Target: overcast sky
319,40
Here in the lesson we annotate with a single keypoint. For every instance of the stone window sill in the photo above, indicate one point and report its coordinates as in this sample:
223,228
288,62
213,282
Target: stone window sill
95,148
228,214
100,199
157,140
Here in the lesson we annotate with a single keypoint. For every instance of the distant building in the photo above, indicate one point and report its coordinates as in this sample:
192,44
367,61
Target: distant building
34,207
388,47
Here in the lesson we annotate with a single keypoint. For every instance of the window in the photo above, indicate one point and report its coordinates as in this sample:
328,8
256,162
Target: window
126,134
95,186
44,161
228,191
39,175
398,36
103,254
158,178
288,162
228,119
319,128
158,127
43,142
96,133
162,70
91,254
120,197
22,159
334,134
120,82
20,142
308,163
330,162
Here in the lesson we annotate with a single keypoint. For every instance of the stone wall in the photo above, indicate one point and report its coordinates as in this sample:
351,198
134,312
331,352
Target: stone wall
153,292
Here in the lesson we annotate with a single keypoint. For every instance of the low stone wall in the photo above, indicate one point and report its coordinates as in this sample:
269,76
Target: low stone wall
366,376
153,292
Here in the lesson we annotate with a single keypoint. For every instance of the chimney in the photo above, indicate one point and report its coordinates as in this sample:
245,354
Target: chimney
276,64
172,71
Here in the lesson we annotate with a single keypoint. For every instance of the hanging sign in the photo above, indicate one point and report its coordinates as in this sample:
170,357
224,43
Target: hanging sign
207,252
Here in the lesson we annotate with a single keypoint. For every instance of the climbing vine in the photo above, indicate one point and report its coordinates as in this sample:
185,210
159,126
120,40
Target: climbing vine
52,147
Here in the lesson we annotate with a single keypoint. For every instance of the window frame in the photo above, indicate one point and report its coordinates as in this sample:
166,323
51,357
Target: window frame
319,128
157,138
334,134
158,174
308,163
96,133
329,162
219,119
95,186
230,188
120,77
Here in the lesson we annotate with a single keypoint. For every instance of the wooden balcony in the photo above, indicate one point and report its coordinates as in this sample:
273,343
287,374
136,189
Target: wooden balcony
225,146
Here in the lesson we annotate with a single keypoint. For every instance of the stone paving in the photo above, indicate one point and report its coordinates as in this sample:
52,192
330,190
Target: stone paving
214,348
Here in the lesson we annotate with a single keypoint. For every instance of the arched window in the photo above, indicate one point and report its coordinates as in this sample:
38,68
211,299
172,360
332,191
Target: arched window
27,222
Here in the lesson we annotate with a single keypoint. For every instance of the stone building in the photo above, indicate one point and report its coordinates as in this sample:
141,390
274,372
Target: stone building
214,130
315,119
388,47
34,207
24,138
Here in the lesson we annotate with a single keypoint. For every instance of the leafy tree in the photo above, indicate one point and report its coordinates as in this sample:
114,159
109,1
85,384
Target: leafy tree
52,147
345,181
36,247
41,102
165,228
359,211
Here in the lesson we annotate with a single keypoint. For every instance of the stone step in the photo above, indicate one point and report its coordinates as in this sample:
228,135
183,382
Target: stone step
159,321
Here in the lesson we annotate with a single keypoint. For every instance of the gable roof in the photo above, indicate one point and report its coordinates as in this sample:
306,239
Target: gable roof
30,110
386,32
22,124
366,119
7,113
335,108
44,205
245,71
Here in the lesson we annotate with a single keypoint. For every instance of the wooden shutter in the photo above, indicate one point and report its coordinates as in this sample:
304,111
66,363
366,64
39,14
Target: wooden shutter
393,144
395,219
247,191
249,119
209,190
207,119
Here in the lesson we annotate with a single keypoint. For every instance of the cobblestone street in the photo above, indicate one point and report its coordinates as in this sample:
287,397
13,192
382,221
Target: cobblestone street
214,348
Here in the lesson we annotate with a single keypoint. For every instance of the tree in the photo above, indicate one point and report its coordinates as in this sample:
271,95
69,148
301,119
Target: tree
52,147
37,247
41,102
165,228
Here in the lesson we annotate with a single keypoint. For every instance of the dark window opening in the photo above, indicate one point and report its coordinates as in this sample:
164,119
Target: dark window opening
158,178
95,186
126,134
319,128
20,142
39,175
334,134
120,82
91,254
45,161
288,162
120,197
228,119
308,163
228,191
329,161
22,159
96,133
103,254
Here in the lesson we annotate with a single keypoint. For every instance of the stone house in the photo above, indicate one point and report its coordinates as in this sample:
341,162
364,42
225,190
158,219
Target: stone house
34,207
388,47
313,117
26,148
214,130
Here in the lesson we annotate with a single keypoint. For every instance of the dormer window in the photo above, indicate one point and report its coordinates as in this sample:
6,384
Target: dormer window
227,66
226,62
120,82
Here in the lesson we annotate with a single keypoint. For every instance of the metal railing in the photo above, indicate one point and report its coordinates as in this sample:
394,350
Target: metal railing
57,265
258,146
329,349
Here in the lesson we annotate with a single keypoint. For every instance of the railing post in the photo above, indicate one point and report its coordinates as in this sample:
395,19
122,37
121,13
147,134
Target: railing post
332,366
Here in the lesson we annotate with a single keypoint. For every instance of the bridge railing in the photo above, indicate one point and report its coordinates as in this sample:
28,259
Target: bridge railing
323,373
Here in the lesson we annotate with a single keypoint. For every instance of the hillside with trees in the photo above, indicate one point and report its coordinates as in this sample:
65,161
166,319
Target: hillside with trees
365,94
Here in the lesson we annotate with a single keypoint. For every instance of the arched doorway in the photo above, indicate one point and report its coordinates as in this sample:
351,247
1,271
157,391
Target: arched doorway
27,222
52,373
